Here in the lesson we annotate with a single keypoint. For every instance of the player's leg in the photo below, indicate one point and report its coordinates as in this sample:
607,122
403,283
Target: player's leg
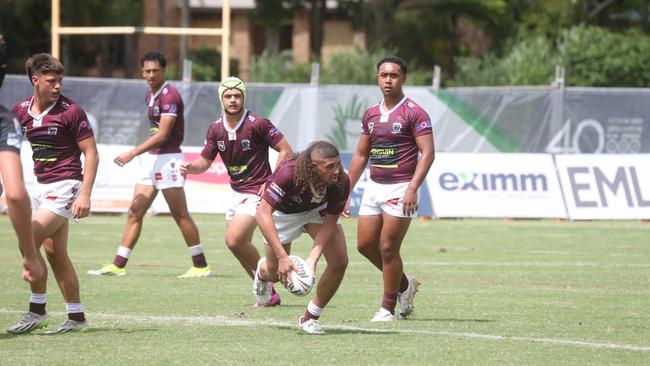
20,213
177,202
143,196
368,236
337,261
393,232
239,237
266,274
56,249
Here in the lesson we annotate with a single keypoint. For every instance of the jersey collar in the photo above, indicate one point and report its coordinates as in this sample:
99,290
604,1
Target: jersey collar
154,96
46,111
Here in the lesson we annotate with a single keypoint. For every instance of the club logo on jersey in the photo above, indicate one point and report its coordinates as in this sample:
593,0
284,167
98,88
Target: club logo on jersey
422,125
371,126
246,144
397,127
156,111
221,145
52,131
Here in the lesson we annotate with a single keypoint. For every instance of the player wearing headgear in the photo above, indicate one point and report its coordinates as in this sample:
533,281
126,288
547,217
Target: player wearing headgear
396,137
160,171
242,138
305,194
11,171
59,132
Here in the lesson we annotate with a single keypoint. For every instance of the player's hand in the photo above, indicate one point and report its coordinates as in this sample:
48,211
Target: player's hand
33,270
346,210
123,158
260,192
410,202
285,266
81,206
185,168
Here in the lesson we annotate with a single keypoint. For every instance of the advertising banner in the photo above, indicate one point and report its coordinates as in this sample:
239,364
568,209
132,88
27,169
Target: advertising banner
495,185
605,186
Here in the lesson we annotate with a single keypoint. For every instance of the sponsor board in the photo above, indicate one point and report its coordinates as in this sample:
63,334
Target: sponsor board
605,186
495,185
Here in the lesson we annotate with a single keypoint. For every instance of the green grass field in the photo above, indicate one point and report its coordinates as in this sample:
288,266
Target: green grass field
493,292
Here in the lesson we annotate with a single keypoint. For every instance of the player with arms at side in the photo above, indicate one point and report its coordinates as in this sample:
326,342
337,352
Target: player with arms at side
11,170
305,194
58,131
242,138
160,170
393,133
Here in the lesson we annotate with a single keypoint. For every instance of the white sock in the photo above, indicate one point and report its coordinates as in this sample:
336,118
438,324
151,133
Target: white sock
195,250
38,298
123,251
313,309
74,307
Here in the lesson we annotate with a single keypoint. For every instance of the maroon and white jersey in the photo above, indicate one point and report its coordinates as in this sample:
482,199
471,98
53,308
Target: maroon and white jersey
166,102
282,194
53,135
244,149
393,152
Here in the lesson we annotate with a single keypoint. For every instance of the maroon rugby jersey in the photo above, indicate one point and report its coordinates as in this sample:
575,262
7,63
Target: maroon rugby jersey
282,194
243,149
393,152
166,102
54,135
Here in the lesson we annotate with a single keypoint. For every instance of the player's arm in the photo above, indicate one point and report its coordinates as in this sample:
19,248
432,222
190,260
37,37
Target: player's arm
196,166
158,138
427,155
359,159
284,151
264,217
325,235
20,214
81,205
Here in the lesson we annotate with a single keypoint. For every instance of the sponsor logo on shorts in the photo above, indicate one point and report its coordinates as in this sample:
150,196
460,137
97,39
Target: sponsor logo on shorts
158,176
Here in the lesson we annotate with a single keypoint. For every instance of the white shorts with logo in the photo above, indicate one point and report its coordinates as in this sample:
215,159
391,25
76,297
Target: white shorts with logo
291,226
242,203
378,197
161,171
56,197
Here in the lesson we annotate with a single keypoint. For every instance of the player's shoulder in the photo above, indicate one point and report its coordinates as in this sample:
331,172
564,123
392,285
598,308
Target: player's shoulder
412,105
22,106
170,91
69,106
256,119
373,110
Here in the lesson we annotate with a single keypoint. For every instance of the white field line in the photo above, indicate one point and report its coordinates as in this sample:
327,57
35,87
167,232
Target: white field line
234,322
520,264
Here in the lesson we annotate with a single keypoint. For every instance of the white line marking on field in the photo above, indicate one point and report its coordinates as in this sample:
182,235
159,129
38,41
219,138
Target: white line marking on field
228,321
524,264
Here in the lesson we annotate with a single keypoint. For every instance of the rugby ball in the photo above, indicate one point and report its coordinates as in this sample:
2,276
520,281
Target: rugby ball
301,281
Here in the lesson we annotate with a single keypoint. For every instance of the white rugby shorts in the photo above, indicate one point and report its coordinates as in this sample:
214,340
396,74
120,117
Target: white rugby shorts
291,226
161,171
378,197
56,197
242,203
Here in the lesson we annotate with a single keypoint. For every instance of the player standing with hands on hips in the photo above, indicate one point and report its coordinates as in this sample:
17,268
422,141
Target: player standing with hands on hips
159,171
242,138
393,133
59,132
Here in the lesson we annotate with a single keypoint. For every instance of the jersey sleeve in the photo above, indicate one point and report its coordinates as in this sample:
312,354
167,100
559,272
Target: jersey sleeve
169,104
78,123
364,123
278,187
420,123
269,132
210,147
